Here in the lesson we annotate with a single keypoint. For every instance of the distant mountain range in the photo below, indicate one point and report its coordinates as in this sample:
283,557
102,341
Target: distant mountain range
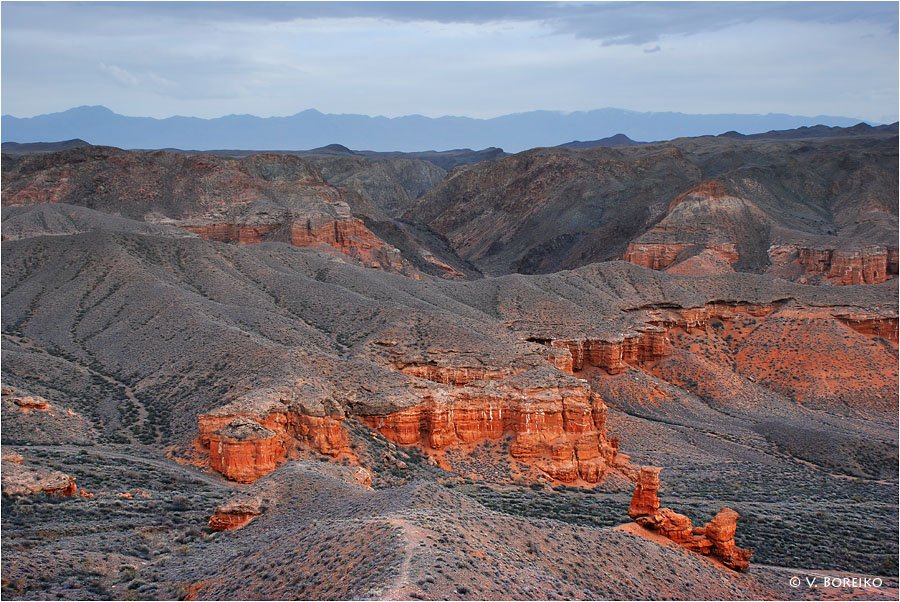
311,128
609,142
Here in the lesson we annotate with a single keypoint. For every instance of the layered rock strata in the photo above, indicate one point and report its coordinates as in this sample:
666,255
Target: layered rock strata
871,264
555,422
654,256
456,376
246,441
347,235
236,513
616,354
871,325
704,260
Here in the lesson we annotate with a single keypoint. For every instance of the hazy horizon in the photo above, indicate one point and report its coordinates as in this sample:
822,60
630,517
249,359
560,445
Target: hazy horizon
420,114
477,60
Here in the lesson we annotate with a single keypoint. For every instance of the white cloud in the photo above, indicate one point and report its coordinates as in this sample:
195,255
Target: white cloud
120,75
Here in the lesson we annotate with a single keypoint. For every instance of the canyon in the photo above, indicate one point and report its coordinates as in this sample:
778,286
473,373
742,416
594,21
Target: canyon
359,362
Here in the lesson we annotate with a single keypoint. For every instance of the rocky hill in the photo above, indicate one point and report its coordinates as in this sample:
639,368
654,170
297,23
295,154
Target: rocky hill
817,208
247,200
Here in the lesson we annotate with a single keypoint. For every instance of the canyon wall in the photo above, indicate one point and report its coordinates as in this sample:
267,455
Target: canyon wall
348,235
871,264
615,355
554,422
551,420
246,442
558,427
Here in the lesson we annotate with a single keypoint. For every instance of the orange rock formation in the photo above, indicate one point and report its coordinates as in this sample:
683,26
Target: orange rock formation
654,256
246,442
25,401
715,539
245,450
557,424
348,235
235,514
869,265
720,532
871,325
456,376
615,355
645,500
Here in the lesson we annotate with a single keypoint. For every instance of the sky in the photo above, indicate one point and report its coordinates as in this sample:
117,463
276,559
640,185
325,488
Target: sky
478,59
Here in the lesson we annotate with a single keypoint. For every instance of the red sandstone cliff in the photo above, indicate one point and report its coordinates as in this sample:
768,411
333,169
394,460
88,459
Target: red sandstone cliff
246,441
615,355
654,256
556,423
871,264
344,233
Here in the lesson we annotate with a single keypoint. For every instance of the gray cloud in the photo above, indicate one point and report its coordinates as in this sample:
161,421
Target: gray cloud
611,23
476,59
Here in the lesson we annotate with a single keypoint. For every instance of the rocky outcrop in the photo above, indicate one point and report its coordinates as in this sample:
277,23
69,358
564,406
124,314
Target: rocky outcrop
236,513
25,401
248,440
645,500
871,264
30,419
362,476
233,233
705,259
452,375
863,266
348,235
716,259
615,355
21,479
669,524
556,423
689,239
244,450
12,456
33,403
872,325
715,539
654,256
720,532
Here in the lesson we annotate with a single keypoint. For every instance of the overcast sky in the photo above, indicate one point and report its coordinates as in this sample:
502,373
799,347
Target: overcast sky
474,59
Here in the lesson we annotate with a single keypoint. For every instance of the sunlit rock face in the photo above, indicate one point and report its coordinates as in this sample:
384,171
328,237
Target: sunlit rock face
555,422
248,441
715,539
